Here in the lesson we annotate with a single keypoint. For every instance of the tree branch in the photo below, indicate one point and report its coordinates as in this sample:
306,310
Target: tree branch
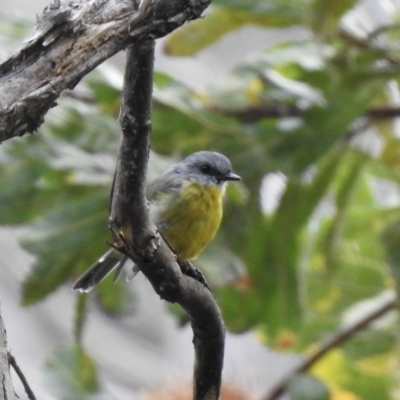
21,376
68,42
276,110
332,341
6,387
136,236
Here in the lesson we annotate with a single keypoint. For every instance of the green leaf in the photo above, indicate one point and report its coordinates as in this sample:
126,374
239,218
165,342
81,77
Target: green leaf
89,129
179,97
70,374
193,37
105,95
307,387
391,241
327,15
367,380
273,254
360,271
371,343
343,106
344,194
60,240
115,298
168,123
24,196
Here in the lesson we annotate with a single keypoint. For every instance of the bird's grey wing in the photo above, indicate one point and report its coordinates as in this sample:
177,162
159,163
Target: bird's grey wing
168,183
160,192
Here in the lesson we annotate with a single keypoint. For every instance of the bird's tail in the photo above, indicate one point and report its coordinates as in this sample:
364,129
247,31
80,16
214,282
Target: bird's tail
111,260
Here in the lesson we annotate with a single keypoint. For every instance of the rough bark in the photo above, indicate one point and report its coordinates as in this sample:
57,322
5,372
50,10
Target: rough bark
6,387
70,40
138,237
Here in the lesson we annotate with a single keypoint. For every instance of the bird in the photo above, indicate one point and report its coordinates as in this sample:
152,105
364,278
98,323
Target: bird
186,205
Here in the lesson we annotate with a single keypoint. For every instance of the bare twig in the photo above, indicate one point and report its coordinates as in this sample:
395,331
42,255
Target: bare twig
21,376
383,113
332,341
136,235
276,110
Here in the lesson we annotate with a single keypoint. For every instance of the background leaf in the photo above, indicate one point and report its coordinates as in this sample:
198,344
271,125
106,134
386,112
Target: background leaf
61,240
293,258
71,374
306,387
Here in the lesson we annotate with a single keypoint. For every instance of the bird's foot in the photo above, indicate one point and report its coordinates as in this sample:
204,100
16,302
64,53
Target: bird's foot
189,269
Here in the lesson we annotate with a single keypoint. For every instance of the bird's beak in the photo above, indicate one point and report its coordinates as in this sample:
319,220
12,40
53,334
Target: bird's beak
231,177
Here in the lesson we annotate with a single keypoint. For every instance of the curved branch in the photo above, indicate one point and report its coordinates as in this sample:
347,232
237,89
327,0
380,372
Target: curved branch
21,376
136,236
68,42
332,341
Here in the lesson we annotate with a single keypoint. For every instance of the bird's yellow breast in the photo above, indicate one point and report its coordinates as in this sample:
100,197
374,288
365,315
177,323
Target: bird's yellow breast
193,218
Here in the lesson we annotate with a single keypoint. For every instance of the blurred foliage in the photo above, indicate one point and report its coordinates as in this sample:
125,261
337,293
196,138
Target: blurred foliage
307,387
70,374
294,272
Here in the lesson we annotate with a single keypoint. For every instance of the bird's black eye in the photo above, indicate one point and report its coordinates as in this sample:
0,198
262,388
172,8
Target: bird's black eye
205,168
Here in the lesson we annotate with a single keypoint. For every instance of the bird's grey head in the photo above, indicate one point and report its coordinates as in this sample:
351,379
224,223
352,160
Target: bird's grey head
207,166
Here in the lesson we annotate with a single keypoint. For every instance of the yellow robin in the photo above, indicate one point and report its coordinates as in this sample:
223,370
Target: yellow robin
185,205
